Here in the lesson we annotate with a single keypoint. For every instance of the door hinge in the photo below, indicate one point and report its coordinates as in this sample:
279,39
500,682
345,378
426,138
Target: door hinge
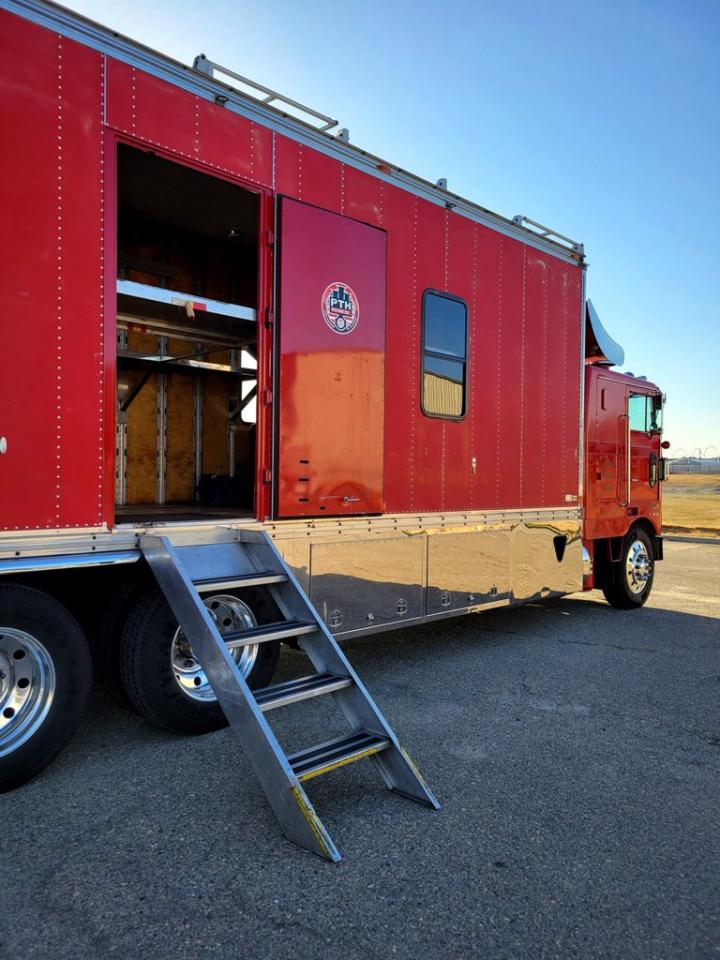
267,396
267,475
271,238
269,316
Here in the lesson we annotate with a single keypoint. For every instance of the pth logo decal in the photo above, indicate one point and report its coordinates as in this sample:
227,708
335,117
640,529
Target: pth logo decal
340,308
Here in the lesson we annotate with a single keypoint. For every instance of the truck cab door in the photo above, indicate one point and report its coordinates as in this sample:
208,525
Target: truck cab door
644,412
330,347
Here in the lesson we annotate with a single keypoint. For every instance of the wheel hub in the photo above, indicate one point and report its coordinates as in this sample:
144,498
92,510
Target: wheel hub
638,566
27,687
229,614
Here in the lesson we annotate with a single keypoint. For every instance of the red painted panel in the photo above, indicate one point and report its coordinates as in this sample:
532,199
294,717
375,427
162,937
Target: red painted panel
428,438
562,385
575,311
234,144
119,94
510,385
28,240
320,180
485,373
331,390
51,338
287,167
81,330
362,196
535,402
402,382
157,111
456,486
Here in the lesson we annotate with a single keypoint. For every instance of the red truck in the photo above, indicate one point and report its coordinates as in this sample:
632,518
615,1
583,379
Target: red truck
224,321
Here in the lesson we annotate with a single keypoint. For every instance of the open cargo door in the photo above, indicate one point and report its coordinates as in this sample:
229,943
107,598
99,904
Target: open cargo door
331,352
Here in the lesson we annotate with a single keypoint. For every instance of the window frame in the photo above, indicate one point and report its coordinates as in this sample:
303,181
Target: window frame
653,403
430,292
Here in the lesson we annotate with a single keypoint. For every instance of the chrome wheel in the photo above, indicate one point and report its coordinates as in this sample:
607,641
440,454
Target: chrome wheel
27,687
230,614
638,566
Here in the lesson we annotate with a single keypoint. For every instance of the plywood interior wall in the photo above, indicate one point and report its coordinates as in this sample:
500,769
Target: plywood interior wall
142,429
216,395
180,429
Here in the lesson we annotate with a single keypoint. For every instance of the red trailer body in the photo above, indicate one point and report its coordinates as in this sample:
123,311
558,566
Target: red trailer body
436,427
67,108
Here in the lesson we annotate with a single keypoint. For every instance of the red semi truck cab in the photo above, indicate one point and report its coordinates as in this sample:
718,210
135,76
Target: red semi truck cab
624,470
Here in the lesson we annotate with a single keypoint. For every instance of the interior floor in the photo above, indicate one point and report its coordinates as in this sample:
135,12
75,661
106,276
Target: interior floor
138,514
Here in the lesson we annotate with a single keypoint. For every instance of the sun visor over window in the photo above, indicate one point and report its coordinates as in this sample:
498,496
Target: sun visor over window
599,345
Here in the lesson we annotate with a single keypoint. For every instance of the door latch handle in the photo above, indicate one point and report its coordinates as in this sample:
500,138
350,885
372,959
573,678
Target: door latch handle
3,444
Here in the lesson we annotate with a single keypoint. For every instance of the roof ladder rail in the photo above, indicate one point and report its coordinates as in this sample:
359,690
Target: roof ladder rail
265,94
548,233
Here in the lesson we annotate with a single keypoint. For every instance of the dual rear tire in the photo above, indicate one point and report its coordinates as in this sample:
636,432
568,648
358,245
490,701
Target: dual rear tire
162,678
45,679
46,670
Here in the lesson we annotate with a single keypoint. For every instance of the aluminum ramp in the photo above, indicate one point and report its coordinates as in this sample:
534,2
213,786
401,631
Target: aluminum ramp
248,558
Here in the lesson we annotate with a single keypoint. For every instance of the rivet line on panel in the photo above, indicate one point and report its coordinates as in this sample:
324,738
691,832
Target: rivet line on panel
469,379
498,369
133,115
59,263
563,461
544,376
101,378
414,354
196,139
522,373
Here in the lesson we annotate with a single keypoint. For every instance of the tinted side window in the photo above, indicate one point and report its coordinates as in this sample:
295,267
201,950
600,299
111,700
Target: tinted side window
444,355
637,411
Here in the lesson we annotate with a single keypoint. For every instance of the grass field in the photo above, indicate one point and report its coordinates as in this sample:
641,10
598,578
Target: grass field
691,504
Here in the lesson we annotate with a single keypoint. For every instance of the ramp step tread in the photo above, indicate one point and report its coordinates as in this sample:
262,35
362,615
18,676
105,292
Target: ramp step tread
314,761
282,630
304,688
255,579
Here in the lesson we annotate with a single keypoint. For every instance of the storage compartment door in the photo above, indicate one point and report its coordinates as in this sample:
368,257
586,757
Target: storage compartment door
331,364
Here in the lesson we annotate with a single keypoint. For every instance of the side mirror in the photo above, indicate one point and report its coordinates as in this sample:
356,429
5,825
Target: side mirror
663,469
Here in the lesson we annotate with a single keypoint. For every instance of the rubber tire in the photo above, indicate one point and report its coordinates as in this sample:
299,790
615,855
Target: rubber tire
105,638
617,592
147,676
42,616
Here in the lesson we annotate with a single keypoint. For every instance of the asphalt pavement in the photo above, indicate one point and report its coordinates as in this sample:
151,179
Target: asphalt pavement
575,750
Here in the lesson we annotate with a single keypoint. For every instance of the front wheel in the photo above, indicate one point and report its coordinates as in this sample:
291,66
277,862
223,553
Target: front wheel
45,679
631,580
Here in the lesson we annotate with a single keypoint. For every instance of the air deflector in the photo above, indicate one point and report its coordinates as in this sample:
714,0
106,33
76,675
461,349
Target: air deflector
599,345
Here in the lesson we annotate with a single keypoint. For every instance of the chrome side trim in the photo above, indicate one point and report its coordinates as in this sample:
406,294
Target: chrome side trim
68,561
94,543
94,35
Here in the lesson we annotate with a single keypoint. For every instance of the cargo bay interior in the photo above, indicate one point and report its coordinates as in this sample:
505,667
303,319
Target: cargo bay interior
186,342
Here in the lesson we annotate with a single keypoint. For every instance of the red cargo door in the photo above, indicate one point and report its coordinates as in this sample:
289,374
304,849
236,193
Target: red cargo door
331,364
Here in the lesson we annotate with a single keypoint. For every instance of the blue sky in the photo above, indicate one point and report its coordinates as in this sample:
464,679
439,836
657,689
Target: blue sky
600,119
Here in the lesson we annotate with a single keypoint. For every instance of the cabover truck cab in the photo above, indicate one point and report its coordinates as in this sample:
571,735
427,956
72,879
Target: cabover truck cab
259,385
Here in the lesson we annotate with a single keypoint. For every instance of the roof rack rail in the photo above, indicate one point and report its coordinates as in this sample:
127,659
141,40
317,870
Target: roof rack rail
548,233
264,94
